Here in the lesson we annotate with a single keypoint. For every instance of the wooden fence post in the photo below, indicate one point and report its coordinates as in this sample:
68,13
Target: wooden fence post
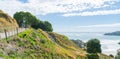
5,33
17,30
0,36
14,31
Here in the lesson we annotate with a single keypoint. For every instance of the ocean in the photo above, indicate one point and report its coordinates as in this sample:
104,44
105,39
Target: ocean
109,44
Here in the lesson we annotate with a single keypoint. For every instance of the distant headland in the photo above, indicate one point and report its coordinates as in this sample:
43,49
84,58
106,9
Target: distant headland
116,33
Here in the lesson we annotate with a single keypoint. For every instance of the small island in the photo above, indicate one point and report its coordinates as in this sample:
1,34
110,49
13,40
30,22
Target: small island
117,33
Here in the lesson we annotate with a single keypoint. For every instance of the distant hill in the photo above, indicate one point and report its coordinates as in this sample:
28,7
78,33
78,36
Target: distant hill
6,21
117,33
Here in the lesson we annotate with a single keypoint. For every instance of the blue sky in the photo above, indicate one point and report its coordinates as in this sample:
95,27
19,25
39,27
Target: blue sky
71,15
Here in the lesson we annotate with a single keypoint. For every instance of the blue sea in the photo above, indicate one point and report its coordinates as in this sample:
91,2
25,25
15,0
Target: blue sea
109,44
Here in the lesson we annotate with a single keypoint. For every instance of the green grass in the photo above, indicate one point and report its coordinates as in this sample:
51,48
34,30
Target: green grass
35,44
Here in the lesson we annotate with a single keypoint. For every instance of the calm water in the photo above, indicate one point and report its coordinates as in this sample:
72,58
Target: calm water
109,43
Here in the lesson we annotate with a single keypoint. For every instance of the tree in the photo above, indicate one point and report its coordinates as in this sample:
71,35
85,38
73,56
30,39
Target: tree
93,46
19,16
36,24
46,26
30,19
25,19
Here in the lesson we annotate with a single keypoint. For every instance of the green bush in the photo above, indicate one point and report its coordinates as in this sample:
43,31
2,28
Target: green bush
93,46
92,56
43,41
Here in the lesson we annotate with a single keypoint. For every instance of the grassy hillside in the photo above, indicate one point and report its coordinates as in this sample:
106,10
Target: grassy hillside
6,21
67,44
37,44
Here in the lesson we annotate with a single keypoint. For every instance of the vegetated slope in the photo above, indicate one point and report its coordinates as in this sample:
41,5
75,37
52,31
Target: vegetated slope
67,44
37,44
6,21
79,43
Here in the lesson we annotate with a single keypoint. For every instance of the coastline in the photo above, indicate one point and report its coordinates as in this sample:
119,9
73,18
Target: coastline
109,44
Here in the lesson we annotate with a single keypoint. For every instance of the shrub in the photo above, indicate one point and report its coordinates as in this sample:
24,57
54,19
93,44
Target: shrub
43,41
92,56
93,46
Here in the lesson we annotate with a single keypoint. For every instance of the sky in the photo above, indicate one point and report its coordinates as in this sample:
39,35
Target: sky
71,15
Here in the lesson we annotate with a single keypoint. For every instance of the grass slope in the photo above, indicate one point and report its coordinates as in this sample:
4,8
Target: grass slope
37,44
6,21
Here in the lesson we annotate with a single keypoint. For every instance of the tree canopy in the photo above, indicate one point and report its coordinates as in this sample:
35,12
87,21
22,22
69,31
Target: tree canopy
93,46
26,19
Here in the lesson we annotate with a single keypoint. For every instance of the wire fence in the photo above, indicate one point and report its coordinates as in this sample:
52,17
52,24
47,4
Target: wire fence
5,33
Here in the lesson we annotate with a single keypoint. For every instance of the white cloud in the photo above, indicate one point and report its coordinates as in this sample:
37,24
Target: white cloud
43,7
102,25
102,12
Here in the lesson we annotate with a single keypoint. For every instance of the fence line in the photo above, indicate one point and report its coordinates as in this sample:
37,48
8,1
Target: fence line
7,33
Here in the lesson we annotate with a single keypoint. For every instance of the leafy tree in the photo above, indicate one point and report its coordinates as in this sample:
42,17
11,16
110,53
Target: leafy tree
30,19
46,26
93,46
19,16
26,19
36,24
